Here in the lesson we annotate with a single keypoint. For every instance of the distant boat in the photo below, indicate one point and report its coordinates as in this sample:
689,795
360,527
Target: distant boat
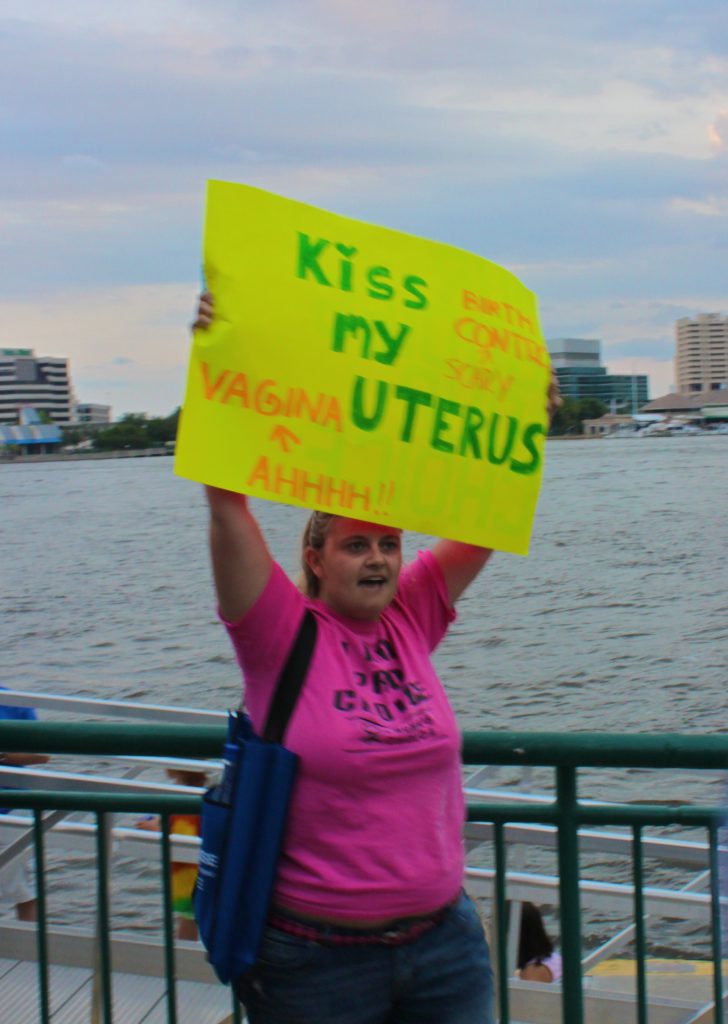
670,428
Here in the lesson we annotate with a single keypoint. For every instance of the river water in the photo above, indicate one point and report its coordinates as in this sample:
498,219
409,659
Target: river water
615,622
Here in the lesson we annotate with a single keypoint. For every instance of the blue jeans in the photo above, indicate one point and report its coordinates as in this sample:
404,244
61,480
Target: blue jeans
442,977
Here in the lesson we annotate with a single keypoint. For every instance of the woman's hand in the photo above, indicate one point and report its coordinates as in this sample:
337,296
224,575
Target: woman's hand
205,312
553,395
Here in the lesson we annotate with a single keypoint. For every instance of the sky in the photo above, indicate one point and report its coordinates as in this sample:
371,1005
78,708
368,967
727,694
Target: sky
582,144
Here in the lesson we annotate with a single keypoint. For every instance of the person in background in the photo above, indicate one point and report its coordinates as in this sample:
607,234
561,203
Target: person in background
537,958
369,922
184,874
17,880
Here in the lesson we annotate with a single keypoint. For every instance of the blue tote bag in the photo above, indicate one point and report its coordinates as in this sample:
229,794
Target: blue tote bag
243,819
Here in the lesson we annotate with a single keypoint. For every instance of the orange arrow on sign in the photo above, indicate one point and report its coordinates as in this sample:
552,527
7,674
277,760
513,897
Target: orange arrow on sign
285,436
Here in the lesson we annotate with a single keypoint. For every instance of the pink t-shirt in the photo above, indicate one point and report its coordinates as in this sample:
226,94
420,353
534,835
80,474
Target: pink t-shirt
375,826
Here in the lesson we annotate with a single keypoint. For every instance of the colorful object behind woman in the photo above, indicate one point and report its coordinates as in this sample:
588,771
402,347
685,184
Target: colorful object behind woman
183,874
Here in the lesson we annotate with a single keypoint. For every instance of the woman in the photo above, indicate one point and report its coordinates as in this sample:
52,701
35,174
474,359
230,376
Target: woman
369,921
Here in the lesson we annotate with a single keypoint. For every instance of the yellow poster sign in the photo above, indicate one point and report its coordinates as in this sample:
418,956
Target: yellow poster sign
366,372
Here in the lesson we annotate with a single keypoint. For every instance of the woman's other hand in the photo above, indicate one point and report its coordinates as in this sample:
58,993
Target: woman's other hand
553,395
205,312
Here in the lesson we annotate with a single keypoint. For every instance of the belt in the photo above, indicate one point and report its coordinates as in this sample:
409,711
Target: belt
396,934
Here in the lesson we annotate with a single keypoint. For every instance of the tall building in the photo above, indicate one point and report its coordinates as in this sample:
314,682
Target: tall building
570,352
42,383
578,366
701,353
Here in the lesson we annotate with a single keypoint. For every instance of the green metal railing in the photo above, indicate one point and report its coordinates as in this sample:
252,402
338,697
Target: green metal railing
566,754
103,740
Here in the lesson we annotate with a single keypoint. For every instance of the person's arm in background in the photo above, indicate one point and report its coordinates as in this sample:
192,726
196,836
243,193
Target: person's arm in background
535,972
17,760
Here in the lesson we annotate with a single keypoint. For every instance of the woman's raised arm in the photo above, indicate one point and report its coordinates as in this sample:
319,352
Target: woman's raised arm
460,564
241,562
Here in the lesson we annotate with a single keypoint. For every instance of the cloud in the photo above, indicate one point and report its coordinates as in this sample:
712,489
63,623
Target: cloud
335,86
91,328
712,206
718,132
580,144
81,162
661,347
660,372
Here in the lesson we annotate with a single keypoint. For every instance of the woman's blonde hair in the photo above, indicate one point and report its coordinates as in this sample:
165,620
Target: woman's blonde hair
314,536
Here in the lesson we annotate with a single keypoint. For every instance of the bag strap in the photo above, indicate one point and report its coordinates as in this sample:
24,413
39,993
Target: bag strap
291,680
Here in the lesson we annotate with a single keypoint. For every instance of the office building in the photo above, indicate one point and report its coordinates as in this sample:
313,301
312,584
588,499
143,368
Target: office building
90,412
577,362
701,354
574,352
41,383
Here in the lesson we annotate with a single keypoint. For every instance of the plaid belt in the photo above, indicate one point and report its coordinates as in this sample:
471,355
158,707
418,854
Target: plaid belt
396,934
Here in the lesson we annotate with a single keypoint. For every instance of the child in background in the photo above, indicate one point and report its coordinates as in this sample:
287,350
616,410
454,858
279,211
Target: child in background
537,959
184,874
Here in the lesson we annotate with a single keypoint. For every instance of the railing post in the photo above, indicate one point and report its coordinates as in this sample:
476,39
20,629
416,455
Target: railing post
500,972
168,924
101,999
639,922
569,894
715,922
42,922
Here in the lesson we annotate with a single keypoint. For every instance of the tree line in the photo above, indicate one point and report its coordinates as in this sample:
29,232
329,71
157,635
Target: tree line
569,417
134,430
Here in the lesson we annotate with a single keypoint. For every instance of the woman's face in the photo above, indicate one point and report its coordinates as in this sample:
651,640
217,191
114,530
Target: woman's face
358,567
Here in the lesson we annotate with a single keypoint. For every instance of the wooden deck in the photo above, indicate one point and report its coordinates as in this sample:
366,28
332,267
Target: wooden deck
139,989
677,992
137,1000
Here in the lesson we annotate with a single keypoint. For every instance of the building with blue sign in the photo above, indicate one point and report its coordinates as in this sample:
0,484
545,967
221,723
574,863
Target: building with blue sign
30,436
42,383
